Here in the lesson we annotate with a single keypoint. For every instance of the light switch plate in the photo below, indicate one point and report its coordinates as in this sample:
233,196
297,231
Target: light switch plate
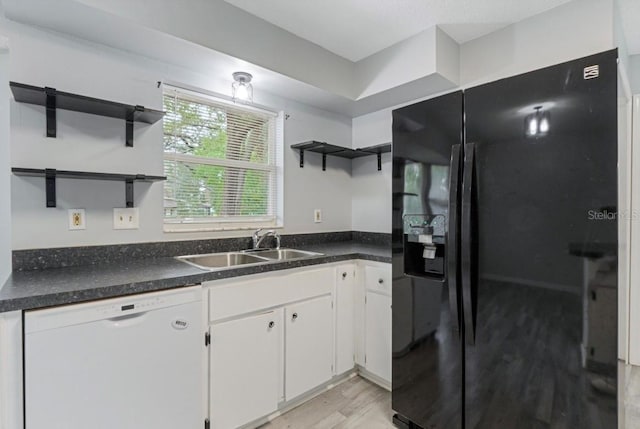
128,218
77,219
317,215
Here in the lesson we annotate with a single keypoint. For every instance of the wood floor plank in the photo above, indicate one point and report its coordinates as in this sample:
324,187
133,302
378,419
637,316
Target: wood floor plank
331,421
354,404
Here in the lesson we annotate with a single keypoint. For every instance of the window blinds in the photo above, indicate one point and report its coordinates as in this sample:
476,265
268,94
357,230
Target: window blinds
219,159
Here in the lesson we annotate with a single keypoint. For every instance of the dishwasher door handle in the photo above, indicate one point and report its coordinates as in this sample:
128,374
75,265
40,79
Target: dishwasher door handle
126,320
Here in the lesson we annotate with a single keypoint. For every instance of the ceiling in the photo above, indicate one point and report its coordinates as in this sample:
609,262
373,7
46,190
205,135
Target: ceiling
355,29
212,36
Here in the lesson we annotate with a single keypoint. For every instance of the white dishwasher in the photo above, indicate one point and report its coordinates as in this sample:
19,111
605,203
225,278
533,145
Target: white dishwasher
127,363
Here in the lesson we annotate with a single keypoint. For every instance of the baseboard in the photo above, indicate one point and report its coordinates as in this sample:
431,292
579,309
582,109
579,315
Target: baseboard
362,372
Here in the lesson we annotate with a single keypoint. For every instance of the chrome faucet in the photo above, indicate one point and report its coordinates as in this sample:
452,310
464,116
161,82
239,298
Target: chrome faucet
257,238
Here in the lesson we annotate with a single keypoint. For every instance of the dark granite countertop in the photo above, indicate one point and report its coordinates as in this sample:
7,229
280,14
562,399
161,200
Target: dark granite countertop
26,290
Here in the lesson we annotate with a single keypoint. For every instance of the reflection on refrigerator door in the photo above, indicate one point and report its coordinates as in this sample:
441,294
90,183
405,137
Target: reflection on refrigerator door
422,316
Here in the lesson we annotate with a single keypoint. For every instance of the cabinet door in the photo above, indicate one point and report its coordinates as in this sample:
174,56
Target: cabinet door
244,369
345,319
309,345
378,335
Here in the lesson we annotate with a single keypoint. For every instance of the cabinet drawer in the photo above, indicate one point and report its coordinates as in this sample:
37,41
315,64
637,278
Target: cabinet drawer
261,292
378,279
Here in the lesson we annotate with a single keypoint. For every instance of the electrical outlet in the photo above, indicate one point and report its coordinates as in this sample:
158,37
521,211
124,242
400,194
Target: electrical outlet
317,215
77,219
126,218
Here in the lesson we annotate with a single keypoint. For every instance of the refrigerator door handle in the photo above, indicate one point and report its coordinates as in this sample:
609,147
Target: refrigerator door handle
467,242
453,242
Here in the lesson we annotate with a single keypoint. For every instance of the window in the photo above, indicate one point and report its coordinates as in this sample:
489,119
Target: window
221,163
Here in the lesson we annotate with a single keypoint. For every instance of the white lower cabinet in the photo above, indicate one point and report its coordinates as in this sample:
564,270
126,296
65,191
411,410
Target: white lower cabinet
377,324
277,336
378,335
345,318
245,373
309,345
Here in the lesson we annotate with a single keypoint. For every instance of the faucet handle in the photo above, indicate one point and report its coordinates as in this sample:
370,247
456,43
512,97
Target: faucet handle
256,237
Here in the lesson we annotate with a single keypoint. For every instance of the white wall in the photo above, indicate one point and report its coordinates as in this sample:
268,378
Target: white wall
371,189
403,62
634,73
634,292
90,143
573,30
372,129
5,177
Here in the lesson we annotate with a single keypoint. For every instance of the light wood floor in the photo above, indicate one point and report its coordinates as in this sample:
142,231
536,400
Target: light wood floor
356,403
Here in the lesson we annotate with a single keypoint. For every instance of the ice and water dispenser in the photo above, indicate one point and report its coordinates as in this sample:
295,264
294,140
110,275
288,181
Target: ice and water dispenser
424,245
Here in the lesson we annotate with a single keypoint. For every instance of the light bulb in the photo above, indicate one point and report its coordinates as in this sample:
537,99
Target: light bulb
544,125
533,126
241,92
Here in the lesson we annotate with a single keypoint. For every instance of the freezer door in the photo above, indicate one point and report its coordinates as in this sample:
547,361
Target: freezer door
140,369
427,353
542,234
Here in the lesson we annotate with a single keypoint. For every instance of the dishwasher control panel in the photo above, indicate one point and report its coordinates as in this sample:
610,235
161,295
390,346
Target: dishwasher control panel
134,306
50,318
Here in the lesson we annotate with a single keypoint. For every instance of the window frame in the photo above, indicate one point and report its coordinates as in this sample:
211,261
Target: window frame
230,223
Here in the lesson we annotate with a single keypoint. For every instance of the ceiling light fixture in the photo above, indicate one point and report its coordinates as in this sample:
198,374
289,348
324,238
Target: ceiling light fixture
537,123
241,88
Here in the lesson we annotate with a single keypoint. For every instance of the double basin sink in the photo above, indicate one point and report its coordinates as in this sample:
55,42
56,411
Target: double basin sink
220,261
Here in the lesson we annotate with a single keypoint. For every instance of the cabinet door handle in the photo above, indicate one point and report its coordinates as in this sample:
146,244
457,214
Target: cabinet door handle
344,275
380,281
272,324
294,316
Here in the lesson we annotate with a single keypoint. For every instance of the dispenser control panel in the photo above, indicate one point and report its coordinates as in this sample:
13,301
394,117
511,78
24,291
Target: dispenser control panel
424,245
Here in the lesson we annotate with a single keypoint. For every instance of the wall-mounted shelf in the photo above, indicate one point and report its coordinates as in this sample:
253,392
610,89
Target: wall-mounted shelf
339,151
50,175
377,150
53,99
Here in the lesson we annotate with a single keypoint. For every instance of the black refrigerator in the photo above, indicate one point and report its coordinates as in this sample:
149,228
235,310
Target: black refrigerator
505,245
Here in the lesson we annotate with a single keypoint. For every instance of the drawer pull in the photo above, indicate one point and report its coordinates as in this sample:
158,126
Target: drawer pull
344,275
380,281
294,316
272,324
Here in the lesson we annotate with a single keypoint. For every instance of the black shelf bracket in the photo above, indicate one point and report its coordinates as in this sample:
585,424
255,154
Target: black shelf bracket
50,186
129,192
379,161
324,162
51,104
131,117
129,130
301,158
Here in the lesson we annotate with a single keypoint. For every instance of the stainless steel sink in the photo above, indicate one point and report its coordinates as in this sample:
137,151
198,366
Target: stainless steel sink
282,254
225,260
219,261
